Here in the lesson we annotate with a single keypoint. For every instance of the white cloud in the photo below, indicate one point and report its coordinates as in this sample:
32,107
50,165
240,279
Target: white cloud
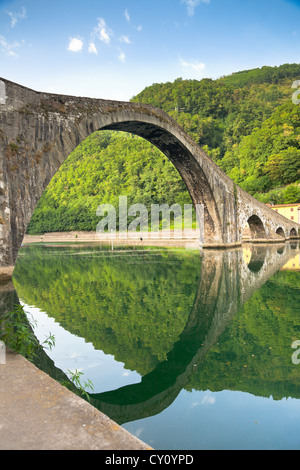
195,65
194,404
125,39
208,400
102,31
92,48
75,45
15,17
127,16
7,48
192,4
122,57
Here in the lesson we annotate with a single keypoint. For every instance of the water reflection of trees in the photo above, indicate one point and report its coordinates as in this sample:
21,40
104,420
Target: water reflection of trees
181,320
130,304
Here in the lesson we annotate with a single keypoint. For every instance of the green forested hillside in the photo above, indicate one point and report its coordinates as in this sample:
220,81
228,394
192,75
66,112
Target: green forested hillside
105,166
246,122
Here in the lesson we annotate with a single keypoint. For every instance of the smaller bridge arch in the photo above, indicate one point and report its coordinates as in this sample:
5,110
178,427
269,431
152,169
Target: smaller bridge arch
280,232
256,226
293,233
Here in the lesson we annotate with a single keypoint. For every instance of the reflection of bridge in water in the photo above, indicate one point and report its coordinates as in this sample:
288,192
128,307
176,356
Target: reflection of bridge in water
227,280
225,284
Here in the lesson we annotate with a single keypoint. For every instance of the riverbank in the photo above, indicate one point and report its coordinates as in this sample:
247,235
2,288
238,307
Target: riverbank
159,238
188,239
38,413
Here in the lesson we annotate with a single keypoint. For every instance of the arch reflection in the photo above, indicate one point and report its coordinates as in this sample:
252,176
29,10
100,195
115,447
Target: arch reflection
217,300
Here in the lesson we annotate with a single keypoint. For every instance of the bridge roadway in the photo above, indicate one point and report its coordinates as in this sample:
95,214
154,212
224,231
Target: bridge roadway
38,131
38,413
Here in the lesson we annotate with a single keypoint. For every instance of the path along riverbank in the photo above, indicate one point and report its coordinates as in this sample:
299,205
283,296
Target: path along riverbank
38,413
188,238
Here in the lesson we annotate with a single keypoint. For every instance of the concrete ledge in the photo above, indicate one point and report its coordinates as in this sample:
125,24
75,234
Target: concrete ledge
37,413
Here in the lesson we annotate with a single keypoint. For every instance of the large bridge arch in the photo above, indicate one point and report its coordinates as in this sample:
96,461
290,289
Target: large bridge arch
38,131
188,167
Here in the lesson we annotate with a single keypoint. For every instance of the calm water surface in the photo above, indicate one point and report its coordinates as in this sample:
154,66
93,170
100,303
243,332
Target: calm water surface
186,350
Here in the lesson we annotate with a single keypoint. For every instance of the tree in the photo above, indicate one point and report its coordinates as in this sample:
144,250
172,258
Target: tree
292,194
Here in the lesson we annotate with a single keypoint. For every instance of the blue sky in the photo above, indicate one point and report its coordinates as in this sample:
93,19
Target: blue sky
115,48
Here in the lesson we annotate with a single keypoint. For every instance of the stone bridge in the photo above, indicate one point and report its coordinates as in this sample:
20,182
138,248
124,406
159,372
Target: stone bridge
38,131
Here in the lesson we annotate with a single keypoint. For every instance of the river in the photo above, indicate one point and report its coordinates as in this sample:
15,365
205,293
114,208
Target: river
185,349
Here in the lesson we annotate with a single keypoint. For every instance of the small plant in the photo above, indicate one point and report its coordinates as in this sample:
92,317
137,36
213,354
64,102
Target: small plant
17,333
49,342
14,147
75,378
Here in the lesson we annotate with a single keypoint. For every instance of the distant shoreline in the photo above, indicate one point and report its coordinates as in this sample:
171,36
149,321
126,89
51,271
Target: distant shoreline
162,238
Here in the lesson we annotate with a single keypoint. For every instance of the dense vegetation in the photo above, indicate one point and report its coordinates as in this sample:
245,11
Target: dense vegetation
246,122
103,167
